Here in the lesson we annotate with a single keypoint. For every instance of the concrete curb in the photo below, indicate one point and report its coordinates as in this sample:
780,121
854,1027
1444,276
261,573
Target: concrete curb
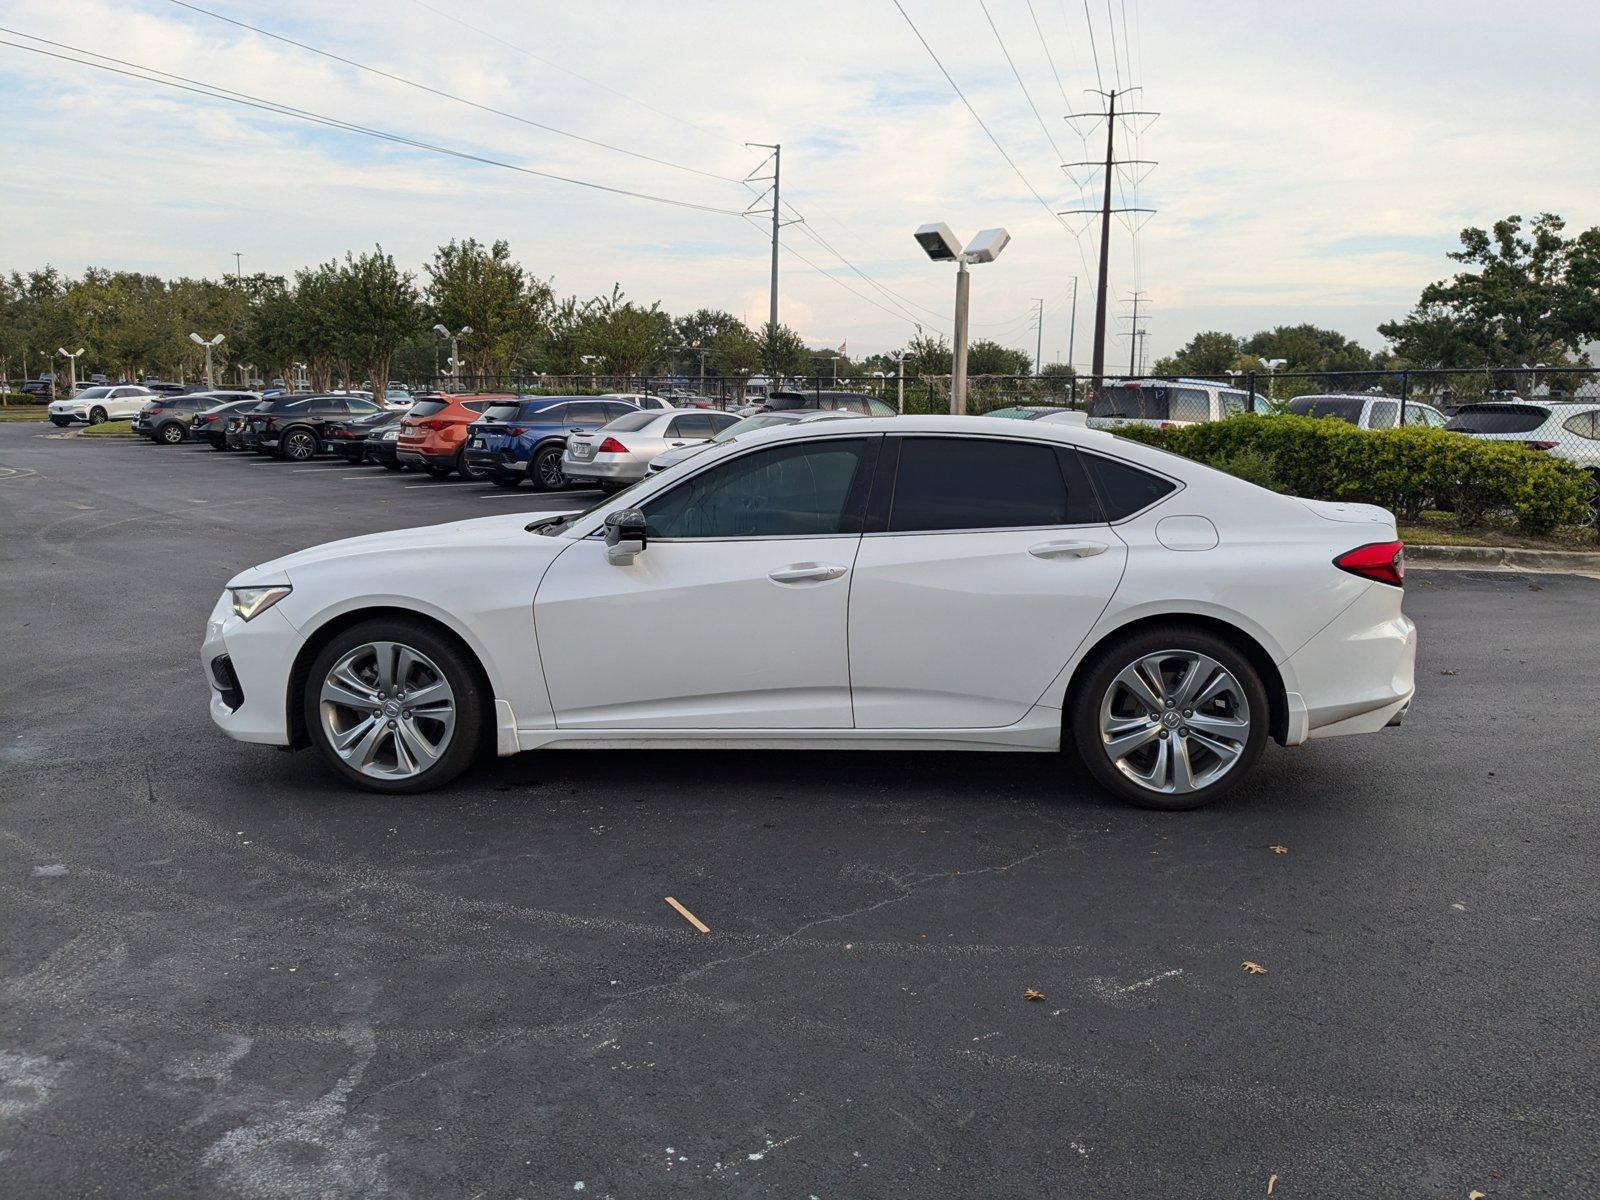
1512,558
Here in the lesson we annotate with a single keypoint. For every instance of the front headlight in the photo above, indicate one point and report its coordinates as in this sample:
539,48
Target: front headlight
251,602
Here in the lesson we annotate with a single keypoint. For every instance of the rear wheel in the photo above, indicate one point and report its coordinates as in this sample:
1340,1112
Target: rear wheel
436,471
545,470
394,706
500,479
390,466
298,445
97,415
1170,718
171,433
467,470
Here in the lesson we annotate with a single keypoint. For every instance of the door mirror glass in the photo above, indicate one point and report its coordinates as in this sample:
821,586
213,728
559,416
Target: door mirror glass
625,535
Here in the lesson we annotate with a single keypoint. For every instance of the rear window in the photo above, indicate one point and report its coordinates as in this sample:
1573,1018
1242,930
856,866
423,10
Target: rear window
1124,489
973,483
1154,402
509,411
1346,408
789,402
1499,418
633,422
426,408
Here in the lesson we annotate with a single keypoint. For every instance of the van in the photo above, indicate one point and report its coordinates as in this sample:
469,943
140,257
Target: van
1164,402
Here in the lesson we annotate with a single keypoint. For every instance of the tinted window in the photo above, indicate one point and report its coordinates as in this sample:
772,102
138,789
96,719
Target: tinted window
425,408
1584,425
1385,415
1346,408
691,425
94,393
362,406
972,483
635,421
588,412
1124,489
507,410
1499,418
1157,402
327,407
789,401
614,409
722,420
1233,403
476,406
782,491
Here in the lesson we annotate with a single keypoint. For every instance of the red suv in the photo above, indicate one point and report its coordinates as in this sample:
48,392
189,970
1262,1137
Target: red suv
433,434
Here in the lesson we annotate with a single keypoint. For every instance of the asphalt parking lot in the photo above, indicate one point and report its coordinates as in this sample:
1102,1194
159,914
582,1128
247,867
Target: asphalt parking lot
226,975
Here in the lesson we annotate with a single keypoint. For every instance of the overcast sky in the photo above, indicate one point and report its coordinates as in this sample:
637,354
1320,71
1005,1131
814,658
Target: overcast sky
1316,160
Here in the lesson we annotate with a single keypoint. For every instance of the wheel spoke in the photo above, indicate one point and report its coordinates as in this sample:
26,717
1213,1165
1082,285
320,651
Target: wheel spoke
385,653
359,744
1124,737
1226,751
1229,728
417,748
1140,688
428,694
1181,769
369,680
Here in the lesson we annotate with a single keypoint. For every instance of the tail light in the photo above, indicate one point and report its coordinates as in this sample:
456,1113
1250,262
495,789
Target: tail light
436,426
1383,562
516,430
1540,445
611,446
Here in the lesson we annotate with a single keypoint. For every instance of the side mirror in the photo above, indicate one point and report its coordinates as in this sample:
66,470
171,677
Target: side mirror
625,535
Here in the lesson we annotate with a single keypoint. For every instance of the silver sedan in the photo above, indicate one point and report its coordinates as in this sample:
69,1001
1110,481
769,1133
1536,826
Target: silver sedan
618,454
761,420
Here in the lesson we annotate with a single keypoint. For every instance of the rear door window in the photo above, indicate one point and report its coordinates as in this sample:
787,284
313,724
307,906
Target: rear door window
1499,418
1123,488
691,425
590,414
1385,414
1346,408
951,483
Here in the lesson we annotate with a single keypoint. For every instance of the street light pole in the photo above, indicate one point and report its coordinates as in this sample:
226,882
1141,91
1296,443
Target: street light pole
200,341
939,243
455,347
72,366
958,376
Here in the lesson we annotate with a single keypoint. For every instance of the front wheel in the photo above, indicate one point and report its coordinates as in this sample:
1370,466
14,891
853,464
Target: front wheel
97,415
61,422
171,433
1169,718
391,466
545,470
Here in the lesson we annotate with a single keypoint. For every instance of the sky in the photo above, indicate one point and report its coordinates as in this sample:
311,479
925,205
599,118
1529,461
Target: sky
1313,161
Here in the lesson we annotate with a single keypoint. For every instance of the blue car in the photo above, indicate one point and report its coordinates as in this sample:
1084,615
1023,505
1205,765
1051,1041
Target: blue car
524,438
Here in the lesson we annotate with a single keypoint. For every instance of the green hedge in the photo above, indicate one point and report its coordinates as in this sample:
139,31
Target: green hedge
1406,470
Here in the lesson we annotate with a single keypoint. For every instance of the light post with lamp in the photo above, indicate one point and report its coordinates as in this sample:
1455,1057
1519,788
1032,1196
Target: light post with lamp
455,350
940,244
72,366
209,345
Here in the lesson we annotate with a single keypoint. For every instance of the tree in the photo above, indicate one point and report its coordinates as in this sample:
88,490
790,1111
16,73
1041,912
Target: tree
627,337
1209,354
1535,297
317,315
1309,348
378,309
484,289
783,351
985,357
928,355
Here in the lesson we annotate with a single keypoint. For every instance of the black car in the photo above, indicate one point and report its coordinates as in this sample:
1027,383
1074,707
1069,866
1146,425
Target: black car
211,424
44,386
294,427
168,419
350,436
856,402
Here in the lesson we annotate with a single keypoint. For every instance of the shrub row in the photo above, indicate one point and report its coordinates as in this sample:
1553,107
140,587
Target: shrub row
1405,470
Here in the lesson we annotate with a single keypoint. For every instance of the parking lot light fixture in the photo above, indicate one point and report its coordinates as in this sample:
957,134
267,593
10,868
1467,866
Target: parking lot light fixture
72,366
209,346
455,350
940,244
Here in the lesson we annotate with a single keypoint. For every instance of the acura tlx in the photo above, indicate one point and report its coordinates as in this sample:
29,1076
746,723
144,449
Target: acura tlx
909,583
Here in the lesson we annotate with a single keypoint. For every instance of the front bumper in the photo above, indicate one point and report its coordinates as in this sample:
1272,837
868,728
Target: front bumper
260,654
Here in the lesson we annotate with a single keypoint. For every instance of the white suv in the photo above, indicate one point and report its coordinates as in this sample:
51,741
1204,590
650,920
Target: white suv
96,404
1164,402
1564,429
1366,411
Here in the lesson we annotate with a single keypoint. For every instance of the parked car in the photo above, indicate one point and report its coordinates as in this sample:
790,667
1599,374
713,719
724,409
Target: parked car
523,437
1565,429
398,396
94,405
854,402
620,452
640,399
1167,402
1027,412
211,424
348,438
293,427
162,387
382,448
240,433
1367,410
742,426
44,385
916,583
168,419
433,434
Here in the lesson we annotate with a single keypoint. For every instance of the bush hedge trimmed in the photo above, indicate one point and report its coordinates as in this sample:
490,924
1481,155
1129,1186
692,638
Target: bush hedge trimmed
1405,470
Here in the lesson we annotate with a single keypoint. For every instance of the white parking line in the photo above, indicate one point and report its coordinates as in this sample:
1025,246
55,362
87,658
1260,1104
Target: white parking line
367,478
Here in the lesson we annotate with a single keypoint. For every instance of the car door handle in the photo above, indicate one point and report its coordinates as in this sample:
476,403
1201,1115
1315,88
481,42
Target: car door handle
806,573
1067,549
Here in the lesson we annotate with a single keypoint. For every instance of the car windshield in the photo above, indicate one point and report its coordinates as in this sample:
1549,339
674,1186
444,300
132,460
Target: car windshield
751,424
94,393
1346,408
1499,418
426,408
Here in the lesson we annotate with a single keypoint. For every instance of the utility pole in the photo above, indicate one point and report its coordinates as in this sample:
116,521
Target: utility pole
1072,328
1038,345
1104,212
238,271
1133,333
777,223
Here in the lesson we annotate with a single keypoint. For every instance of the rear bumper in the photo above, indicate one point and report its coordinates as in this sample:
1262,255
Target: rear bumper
1358,673
419,458
602,471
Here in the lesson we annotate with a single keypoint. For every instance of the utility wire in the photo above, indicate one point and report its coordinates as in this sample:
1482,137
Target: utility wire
1099,79
1049,58
1111,32
199,88
423,87
1018,75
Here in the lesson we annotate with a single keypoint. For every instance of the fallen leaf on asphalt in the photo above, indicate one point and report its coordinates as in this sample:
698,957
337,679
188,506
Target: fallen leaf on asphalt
1534,587
1033,994
1272,1182
1449,672
1251,968
1279,848
1476,1196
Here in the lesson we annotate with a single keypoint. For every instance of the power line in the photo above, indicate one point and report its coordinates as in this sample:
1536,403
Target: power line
1018,76
1098,78
200,88
423,87
1048,57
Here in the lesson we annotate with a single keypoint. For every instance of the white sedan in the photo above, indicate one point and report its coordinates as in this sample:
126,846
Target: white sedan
905,583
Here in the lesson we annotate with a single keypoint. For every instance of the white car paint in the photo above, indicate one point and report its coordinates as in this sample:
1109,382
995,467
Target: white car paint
923,640
119,401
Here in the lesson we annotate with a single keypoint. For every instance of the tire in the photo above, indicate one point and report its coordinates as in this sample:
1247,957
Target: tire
298,445
501,479
391,466
61,422
466,470
223,446
545,470
437,472
97,415
1151,773
394,745
170,434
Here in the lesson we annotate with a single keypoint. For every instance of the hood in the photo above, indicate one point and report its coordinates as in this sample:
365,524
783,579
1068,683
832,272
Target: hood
480,532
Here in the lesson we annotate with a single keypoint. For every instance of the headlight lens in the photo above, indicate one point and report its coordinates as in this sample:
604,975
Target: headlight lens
251,602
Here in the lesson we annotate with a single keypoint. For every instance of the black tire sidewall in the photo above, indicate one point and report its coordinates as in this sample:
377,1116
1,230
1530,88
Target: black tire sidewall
164,434
470,473
1083,716
97,416
533,469
302,436
459,670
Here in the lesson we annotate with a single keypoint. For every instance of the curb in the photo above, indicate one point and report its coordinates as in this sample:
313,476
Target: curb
1513,558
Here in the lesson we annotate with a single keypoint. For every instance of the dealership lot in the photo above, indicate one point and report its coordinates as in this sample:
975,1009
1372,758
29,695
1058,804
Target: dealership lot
229,975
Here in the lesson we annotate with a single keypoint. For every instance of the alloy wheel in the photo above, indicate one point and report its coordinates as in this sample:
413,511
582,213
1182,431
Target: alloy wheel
97,415
299,446
387,710
1174,721
548,466
172,434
